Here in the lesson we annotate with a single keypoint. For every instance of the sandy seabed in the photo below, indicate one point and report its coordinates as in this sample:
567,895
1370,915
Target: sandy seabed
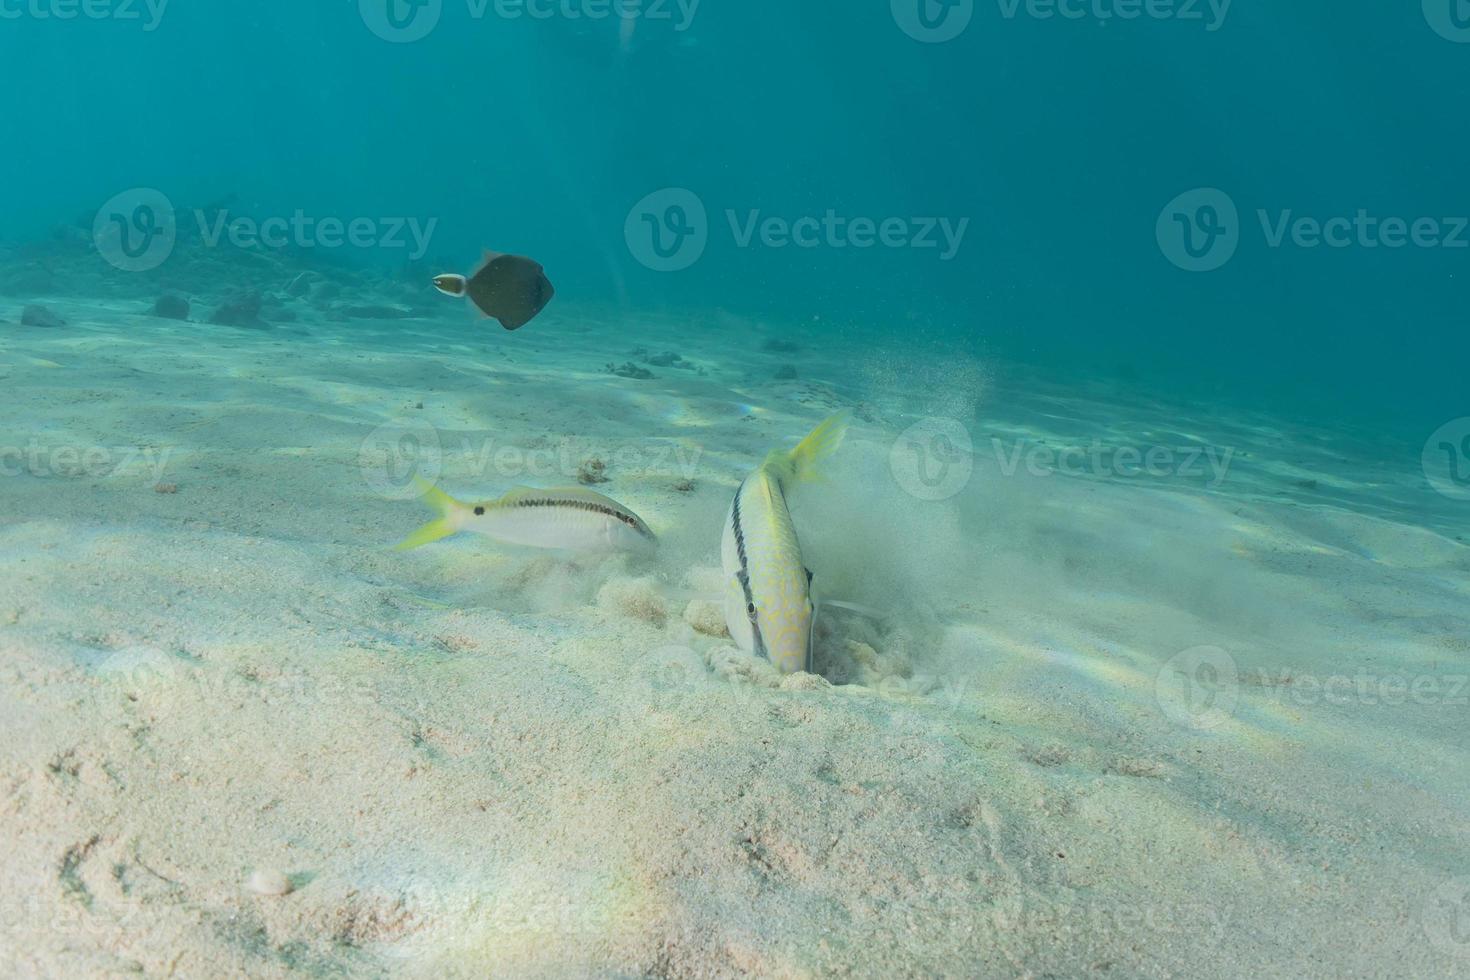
1194,722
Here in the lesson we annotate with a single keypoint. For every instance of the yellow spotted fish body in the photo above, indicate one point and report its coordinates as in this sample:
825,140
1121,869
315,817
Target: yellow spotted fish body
768,598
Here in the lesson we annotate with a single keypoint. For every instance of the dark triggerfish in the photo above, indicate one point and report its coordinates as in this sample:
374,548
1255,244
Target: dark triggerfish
508,288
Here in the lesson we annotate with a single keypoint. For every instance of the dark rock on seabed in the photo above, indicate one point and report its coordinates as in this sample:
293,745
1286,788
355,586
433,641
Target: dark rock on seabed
630,370
171,307
241,311
39,316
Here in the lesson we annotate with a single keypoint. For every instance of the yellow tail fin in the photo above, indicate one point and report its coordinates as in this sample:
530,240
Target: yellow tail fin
436,530
803,462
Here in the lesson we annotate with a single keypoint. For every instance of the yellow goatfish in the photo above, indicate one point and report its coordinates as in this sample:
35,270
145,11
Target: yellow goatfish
768,594
569,519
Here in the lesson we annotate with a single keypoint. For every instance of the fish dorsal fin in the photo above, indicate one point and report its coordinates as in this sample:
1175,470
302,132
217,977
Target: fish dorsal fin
523,492
771,487
582,494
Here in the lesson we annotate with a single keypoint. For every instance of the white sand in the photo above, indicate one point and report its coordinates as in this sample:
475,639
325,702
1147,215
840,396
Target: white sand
472,761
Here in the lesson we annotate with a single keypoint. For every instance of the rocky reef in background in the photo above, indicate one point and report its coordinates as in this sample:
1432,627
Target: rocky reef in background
221,284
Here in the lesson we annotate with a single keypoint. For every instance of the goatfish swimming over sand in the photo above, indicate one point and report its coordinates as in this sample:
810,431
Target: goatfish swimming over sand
768,593
568,519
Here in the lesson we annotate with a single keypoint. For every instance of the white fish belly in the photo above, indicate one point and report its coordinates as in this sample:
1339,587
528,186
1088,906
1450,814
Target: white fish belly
557,528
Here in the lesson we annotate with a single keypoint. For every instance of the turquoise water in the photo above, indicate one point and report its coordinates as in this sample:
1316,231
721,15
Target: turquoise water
1133,564
1060,140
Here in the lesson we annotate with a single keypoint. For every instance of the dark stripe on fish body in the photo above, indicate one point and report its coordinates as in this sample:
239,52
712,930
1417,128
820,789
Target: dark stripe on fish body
744,576
586,505
739,533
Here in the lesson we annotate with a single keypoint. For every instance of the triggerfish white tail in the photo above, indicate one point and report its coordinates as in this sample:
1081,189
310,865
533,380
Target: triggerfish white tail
569,519
768,592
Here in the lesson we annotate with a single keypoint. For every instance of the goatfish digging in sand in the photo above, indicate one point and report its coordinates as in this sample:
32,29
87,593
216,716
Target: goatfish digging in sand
570,519
768,593
510,288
